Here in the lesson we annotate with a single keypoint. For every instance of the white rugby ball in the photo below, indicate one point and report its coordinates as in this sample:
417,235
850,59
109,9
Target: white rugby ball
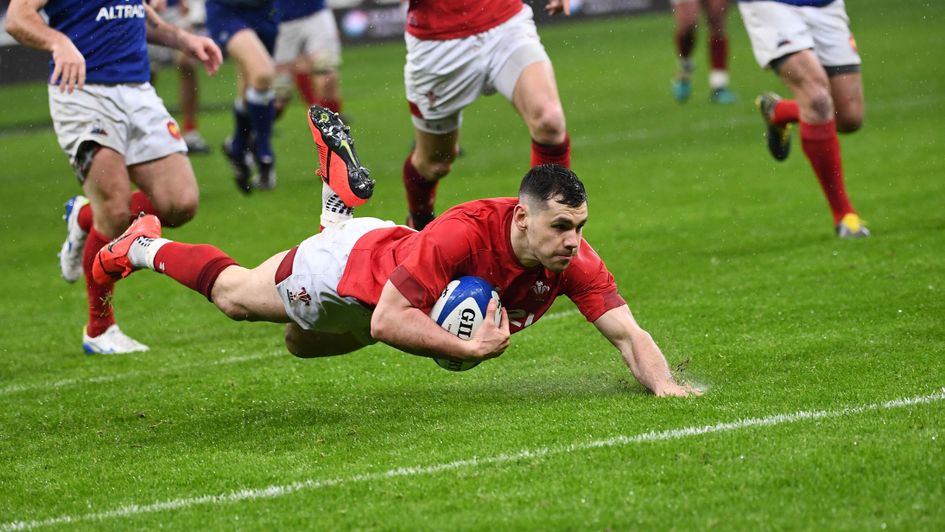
460,310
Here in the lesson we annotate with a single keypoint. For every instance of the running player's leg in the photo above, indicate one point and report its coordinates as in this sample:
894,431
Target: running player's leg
258,71
807,79
170,184
846,90
716,11
535,97
686,18
431,160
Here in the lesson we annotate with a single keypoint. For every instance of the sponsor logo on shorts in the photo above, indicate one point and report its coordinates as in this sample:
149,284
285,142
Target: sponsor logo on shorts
301,296
432,97
97,129
173,129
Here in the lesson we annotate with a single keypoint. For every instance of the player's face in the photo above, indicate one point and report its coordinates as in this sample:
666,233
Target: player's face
554,233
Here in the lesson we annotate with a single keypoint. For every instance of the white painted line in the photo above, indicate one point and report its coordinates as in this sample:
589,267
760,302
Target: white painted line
99,379
249,494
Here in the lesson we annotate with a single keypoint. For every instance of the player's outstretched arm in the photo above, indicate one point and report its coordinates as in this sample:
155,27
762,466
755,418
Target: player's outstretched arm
25,25
202,48
641,353
398,323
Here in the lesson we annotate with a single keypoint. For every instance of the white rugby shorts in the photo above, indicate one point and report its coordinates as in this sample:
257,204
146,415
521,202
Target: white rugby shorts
777,29
130,119
315,36
309,291
443,77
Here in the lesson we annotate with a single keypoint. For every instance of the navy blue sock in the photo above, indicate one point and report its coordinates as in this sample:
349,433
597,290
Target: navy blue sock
261,112
243,127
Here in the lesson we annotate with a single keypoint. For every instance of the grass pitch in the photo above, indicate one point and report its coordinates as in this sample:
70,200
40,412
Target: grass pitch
726,257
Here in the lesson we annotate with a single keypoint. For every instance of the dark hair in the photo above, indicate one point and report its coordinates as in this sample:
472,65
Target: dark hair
553,182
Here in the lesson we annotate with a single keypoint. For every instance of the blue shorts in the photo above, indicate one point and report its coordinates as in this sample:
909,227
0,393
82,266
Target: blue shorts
223,21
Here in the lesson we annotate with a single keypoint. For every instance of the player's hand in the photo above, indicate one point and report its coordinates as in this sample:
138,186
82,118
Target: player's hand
554,7
490,341
672,389
205,50
68,66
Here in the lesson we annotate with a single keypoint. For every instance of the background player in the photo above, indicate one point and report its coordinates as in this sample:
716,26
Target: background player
686,15
190,15
247,30
458,50
808,43
308,54
364,280
115,130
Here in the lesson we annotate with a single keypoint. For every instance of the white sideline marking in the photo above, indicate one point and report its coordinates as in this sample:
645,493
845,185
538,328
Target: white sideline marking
52,385
287,489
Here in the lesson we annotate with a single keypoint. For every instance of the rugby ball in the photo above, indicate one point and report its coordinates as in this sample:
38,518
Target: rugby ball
460,310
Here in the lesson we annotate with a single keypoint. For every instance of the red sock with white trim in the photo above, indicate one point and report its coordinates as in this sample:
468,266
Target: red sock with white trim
823,151
195,266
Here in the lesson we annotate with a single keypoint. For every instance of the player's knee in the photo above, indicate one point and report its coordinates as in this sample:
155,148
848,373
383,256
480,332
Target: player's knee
547,124
820,103
263,79
181,211
848,122
437,167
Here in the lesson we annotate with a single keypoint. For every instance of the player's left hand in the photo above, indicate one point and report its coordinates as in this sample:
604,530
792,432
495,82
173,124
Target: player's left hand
205,50
558,6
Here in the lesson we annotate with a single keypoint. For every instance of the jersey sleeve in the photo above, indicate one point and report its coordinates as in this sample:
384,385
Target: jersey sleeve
590,285
439,253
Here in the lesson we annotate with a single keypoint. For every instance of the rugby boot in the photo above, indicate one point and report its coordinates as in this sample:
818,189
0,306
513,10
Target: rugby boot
338,163
682,89
722,95
70,256
851,226
111,342
779,136
266,176
241,170
112,262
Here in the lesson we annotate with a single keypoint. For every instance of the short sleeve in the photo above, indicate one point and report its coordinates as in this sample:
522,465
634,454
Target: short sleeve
590,285
441,250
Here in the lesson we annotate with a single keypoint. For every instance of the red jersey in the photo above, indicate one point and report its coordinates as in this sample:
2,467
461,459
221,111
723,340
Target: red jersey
474,239
439,20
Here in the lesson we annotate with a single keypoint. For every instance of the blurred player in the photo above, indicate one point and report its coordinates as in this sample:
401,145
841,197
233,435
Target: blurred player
364,280
808,43
114,129
308,54
246,30
457,51
189,15
686,15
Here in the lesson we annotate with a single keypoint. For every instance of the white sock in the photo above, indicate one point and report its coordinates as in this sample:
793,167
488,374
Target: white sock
142,251
334,211
260,97
718,79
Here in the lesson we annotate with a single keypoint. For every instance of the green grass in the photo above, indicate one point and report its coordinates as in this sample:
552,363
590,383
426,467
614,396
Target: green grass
726,257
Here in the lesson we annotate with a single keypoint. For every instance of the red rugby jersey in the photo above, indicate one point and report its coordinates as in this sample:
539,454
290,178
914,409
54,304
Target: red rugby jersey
474,239
439,20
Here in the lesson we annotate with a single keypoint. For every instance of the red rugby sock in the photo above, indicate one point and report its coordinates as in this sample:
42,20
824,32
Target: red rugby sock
99,296
421,193
195,266
552,153
785,111
823,151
